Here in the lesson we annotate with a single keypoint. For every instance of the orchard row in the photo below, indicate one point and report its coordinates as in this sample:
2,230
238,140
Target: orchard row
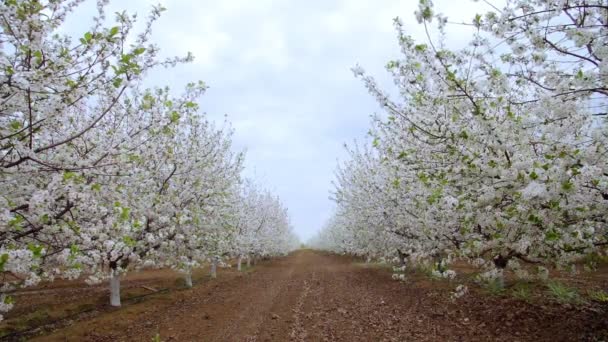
100,176
496,153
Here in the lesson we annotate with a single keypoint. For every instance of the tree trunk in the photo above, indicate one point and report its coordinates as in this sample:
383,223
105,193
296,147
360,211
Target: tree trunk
501,279
402,257
188,279
214,268
248,261
501,262
238,265
115,289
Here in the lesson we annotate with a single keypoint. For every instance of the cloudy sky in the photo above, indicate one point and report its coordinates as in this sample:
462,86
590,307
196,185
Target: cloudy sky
280,71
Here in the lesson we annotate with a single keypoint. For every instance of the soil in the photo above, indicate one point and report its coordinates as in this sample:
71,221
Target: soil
313,296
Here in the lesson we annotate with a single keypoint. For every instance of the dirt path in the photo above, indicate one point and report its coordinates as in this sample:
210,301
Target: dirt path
311,296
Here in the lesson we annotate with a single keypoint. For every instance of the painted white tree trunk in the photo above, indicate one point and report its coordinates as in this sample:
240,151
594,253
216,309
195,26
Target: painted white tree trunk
214,268
248,261
238,264
188,279
500,279
115,289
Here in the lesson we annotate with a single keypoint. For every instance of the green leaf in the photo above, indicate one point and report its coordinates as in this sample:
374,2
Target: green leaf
15,125
427,13
117,82
535,219
73,227
68,175
552,235
392,65
533,175
38,56
126,58
436,195
420,47
133,157
71,83
124,214
554,204
477,20
423,177
129,241
3,260
139,51
567,186
35,249
114,31
16,223
174,117
74,249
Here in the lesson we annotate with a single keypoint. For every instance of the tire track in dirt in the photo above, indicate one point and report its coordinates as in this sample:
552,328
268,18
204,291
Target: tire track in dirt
241,312
250,322
298,331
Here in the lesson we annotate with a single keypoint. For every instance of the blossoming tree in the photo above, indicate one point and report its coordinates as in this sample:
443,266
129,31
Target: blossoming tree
100,176
494,152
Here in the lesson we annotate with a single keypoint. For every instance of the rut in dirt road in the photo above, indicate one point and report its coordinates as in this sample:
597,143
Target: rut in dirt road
312,296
